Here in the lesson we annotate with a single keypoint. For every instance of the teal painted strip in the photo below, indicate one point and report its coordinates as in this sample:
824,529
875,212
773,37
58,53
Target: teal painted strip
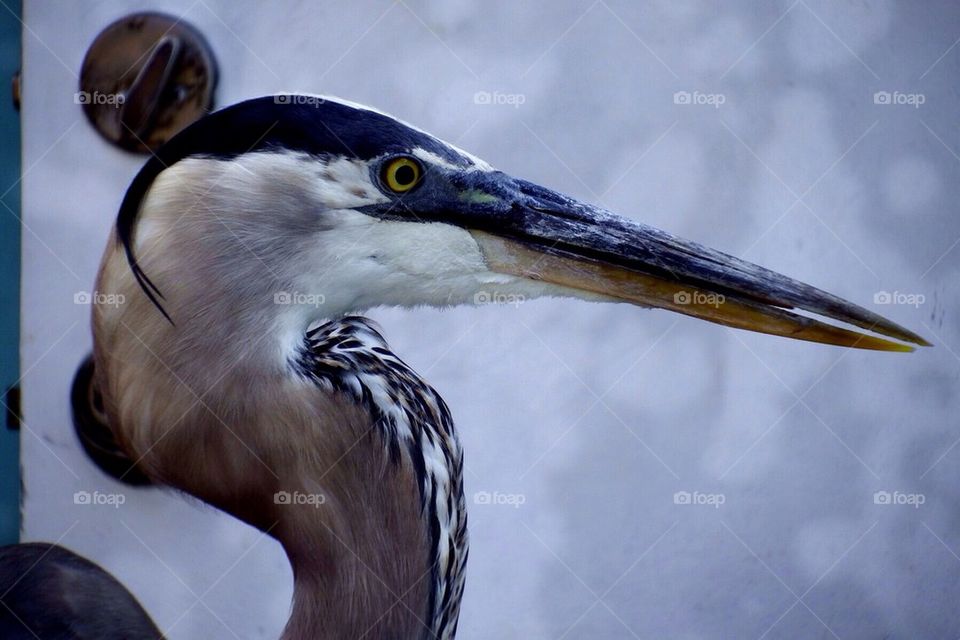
10,33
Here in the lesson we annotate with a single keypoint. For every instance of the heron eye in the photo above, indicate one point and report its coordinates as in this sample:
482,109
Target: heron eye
401,174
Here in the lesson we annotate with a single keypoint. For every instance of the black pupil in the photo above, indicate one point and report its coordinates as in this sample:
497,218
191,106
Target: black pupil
404,175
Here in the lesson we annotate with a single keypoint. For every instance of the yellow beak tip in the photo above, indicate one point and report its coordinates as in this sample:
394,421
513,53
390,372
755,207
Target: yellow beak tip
901,348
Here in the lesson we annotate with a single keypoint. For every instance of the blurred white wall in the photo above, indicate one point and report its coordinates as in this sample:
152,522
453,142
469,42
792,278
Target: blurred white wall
593,416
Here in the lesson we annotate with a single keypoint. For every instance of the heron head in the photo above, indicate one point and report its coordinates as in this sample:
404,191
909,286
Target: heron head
345,208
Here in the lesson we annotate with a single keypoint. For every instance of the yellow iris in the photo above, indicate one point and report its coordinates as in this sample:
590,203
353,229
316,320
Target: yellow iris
401,174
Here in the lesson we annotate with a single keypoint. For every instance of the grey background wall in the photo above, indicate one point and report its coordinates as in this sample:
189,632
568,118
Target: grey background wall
592,416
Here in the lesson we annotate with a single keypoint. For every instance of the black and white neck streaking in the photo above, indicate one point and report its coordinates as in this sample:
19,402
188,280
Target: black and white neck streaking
349,356
237,370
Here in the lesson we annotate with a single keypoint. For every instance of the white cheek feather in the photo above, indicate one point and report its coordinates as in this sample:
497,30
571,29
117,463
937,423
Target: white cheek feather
341,183
366,262
345,184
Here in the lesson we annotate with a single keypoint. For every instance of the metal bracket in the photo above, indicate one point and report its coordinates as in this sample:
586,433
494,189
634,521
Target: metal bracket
146,77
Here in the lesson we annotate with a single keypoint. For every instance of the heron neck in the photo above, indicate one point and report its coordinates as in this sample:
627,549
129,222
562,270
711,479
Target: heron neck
352,529
306,466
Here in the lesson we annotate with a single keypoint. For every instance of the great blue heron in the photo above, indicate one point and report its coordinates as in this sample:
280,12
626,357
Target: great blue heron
236,371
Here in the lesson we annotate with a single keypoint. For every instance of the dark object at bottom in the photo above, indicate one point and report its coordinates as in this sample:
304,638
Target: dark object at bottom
52,593
90,423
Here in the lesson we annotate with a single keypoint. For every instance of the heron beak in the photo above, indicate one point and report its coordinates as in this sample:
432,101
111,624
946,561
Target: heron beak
550,237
